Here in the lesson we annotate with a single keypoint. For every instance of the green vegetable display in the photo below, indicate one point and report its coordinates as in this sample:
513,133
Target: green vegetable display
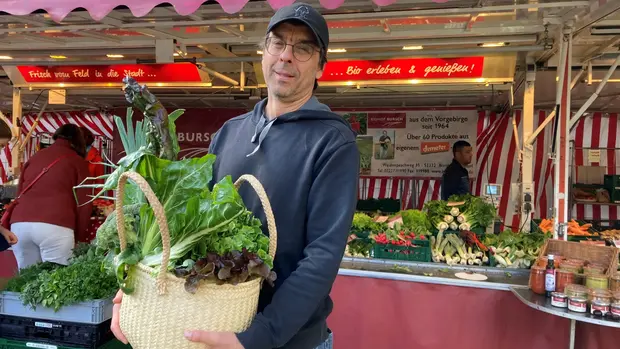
416,221
54,286
467,212
515,250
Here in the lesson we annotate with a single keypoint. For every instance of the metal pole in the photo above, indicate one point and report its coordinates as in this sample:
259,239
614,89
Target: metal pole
592,98
562,139
527,163
571,344
17,116
540,128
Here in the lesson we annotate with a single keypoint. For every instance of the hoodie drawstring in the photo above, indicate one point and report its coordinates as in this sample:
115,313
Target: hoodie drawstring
263,133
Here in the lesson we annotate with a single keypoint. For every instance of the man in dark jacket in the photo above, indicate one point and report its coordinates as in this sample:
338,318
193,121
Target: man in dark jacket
455,179
307,159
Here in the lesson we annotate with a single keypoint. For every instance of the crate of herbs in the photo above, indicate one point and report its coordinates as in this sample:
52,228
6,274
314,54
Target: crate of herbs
401,245
80,292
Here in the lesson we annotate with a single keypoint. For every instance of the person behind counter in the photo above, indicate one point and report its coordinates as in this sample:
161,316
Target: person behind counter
455,179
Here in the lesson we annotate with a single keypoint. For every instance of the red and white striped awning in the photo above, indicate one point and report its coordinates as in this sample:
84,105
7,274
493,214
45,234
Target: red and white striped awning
59,9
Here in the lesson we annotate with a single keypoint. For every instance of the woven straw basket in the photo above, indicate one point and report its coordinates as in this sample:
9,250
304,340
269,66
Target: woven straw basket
157,313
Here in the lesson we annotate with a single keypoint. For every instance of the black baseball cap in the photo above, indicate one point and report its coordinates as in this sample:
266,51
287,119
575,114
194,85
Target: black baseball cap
305,14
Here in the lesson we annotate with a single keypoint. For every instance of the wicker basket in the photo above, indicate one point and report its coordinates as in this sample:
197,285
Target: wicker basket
157,313
605,255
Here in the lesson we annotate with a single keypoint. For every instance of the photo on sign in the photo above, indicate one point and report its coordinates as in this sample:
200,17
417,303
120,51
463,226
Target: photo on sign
384,144
358,122
364,145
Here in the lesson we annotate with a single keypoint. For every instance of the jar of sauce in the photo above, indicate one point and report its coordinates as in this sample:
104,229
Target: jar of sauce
602,295
601,306
537,280
597,282
615,308
559,300
563,279
577,304
574,290
614,283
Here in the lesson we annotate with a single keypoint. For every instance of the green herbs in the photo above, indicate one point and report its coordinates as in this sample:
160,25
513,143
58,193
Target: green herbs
54,286
416,221
28,275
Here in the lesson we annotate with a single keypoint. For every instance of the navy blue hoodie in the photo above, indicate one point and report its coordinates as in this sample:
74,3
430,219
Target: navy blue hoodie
308,162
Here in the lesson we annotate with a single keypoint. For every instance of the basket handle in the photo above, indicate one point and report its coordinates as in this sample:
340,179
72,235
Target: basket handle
264,200
160,217
162,222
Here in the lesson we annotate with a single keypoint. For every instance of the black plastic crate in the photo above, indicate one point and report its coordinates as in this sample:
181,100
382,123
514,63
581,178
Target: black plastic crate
13,344
59,333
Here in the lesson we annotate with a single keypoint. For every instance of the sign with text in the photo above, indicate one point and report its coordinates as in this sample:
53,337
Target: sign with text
179,72
416,143
402,69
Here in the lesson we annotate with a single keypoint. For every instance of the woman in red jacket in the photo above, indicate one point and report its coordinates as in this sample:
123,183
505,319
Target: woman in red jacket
47,220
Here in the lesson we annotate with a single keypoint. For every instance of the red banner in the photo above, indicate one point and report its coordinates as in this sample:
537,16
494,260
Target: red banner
179,72
399,69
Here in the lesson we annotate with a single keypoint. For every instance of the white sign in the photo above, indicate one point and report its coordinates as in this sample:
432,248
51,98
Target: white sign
594,155
412,143
57,97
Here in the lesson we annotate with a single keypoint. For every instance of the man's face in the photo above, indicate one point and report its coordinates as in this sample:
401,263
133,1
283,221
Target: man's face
288,78
385,133
464,156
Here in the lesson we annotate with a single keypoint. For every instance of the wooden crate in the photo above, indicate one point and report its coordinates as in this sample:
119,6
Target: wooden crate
605,255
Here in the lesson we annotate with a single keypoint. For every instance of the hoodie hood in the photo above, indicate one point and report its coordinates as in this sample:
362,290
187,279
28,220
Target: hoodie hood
311,110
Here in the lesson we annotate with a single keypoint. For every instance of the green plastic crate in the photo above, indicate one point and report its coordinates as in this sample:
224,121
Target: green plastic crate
421,252
13,344
612,182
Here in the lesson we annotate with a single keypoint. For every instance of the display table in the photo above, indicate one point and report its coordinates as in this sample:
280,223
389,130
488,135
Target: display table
426,309
543,304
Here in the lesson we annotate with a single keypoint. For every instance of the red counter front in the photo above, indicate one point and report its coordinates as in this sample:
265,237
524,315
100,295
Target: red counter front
384,314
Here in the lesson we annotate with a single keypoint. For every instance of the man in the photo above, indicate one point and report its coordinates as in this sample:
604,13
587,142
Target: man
384,141
306,158
455,179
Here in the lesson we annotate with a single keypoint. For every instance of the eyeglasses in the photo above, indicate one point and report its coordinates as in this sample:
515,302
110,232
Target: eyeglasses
301,51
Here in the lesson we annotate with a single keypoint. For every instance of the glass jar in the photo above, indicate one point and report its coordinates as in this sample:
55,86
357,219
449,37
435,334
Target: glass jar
597,282
537,280
599,306
593,270
577,304
559,300
614,283
602,295
615,308
574,268
575,290
563,278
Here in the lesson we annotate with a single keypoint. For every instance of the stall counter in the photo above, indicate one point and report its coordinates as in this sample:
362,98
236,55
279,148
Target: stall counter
381,309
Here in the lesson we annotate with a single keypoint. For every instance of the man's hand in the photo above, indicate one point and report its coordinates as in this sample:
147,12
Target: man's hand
116,313
215,340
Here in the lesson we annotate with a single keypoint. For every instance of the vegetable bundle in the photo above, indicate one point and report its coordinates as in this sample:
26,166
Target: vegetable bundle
464,212
515,250
210,228
450,248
